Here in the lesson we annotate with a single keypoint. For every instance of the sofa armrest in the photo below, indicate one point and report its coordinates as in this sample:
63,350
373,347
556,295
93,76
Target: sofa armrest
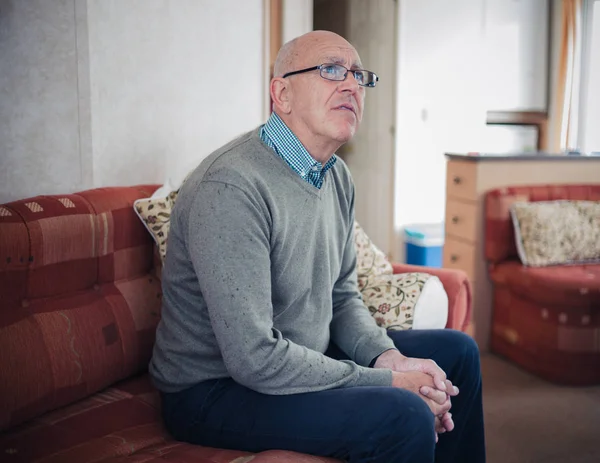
457,286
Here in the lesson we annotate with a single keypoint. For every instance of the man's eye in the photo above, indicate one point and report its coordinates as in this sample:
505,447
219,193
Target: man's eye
330,69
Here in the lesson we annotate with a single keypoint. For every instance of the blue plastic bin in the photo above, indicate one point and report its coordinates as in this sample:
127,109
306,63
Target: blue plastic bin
424,244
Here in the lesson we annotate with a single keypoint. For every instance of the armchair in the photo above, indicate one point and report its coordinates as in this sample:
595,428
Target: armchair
545,319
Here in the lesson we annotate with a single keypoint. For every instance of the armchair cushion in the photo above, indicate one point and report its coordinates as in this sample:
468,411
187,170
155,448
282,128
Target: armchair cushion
572,287
557,232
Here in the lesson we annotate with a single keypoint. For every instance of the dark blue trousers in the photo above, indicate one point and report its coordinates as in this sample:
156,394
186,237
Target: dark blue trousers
361,424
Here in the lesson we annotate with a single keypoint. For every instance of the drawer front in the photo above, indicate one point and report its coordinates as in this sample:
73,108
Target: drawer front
461,180
460,256
461,220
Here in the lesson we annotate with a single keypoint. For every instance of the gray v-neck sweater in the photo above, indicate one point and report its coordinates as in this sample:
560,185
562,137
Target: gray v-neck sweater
260,276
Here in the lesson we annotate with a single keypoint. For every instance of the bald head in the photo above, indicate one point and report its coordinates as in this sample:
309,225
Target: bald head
297,52
323,113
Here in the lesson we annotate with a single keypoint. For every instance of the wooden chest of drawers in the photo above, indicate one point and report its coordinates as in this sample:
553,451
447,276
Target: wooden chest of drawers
467,180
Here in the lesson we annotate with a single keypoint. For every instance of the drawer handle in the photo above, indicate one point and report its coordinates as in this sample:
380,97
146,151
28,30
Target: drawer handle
455,219
457,180
453,258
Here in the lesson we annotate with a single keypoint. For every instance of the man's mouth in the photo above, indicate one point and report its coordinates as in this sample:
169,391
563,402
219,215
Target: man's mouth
346,107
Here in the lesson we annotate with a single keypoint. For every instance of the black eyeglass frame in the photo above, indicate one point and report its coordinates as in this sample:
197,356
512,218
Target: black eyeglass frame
321,66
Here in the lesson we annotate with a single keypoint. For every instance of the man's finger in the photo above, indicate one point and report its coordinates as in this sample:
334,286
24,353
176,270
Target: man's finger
437,396
439,427
447,422
437,409
451,390
438,375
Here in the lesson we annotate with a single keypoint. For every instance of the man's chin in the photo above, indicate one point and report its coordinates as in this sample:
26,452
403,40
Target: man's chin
344,136
345,132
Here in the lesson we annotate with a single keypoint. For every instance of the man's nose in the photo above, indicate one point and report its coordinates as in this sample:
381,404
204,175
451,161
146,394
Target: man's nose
349,84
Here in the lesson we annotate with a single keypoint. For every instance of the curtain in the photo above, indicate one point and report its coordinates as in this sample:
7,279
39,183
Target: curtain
568,82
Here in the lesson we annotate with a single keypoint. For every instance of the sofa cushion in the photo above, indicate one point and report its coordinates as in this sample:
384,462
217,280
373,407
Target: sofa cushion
557,232
85,307
398,302
53,245
562,286
55,351
120,424
155,214
407,301
370,260
117,421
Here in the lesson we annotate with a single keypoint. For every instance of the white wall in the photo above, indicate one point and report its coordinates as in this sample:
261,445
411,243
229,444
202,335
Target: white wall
184,88
112,92
39,132
440,102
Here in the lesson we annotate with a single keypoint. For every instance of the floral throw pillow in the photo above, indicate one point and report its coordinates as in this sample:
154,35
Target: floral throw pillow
557,232
155,214
407,301
397,302
370,260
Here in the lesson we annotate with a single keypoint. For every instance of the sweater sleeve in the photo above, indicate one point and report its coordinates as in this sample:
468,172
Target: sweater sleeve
229,244
353,328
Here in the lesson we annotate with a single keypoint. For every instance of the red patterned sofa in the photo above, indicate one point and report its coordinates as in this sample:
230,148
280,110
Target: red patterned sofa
545,319
80,299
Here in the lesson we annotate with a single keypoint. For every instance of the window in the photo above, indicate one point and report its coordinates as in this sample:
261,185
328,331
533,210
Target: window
589,136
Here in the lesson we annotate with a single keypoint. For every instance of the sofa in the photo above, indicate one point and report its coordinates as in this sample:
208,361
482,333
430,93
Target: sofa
545,319
80,300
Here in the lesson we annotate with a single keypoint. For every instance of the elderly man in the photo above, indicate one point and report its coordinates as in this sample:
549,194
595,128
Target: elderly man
264,341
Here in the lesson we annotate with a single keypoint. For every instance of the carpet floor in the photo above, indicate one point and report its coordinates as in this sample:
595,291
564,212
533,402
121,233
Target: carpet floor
529,420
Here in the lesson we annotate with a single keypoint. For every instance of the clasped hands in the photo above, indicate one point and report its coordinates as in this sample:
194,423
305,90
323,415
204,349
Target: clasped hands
425,378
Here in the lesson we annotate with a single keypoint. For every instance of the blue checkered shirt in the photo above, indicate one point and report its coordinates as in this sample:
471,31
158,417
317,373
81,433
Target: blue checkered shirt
282,140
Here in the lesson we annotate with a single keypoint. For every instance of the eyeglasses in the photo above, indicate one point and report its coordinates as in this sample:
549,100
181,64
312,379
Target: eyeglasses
339,73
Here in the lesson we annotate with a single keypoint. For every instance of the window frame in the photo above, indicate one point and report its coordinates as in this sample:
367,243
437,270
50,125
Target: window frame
586,57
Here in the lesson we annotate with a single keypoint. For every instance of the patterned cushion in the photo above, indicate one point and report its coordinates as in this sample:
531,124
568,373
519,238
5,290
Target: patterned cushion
79,304
499,230
407,301
370,260
121,424
572,286
557,232
155,214
547,320
398,302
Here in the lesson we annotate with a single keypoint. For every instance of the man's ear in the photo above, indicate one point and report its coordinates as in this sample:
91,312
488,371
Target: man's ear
280,94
